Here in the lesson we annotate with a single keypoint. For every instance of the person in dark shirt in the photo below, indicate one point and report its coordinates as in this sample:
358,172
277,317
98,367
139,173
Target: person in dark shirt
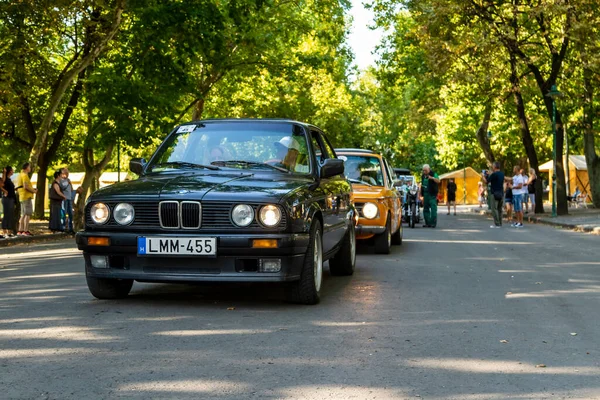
496,181
9,198
451,195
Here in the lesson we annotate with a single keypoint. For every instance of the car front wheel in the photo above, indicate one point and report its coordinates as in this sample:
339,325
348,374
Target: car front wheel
383,241
344,262
307,289
108,289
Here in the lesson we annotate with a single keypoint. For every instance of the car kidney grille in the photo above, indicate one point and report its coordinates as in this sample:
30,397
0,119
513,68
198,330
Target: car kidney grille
190,214
169,214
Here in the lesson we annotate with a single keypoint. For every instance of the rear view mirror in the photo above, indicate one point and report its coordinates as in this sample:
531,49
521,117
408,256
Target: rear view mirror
136,165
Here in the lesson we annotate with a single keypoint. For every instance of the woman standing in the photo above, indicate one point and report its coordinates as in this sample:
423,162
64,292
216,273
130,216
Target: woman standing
9,199
531,188
56,198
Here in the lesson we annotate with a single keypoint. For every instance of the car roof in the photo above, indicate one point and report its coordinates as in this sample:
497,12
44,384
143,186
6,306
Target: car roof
364,151
267,120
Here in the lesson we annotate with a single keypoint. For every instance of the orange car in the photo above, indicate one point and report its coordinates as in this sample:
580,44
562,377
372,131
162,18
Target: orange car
377,201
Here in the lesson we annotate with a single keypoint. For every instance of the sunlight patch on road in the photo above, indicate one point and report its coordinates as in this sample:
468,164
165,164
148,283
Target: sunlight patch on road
515,271
209,332
159,319
35,291
341,324
38,319
429,241
57,275
500,367
44,352
187,386
65,333
554,293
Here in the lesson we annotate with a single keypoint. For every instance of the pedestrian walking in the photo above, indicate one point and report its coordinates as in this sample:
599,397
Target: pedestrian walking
25,191
9,198
508,196
480,194
519,188
429,190
451,195
56,197
67,189
531,187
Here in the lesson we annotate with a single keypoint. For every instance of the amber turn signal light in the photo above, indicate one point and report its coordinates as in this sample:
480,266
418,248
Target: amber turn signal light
264,243
98,241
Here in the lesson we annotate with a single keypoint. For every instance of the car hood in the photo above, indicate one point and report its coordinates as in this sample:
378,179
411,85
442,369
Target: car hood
209,186
366,192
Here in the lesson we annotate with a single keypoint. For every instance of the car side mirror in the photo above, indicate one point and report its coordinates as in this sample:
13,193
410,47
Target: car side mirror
136,165
332,167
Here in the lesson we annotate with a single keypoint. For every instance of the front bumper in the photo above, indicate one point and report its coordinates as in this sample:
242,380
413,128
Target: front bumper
370,230
236,260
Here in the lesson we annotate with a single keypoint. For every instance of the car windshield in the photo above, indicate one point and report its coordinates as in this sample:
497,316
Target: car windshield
363,169
277,147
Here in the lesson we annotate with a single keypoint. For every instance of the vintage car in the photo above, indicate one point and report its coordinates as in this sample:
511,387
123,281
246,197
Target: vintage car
377,201
225,200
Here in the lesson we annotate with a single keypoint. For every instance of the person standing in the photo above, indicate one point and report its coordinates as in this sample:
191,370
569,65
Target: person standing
56,197
26,192
429,190
519,187
525,194
480,192
9,199
496,182
451,195
67,189
508,200
531,187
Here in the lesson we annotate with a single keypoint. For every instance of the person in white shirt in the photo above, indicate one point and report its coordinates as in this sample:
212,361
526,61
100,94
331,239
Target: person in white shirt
519,187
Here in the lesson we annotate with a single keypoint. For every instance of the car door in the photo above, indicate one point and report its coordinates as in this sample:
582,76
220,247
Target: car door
334,195
395,203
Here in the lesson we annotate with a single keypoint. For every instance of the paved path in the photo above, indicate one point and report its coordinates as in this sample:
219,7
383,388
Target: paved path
459,312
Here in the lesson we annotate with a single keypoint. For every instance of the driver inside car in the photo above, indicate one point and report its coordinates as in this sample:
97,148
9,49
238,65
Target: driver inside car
287,153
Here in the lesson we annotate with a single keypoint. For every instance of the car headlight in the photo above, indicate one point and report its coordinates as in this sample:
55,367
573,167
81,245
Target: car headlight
124,213
370,210
99,212
242,215
270,215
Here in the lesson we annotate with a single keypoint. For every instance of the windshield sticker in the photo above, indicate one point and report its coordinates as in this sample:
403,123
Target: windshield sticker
186,128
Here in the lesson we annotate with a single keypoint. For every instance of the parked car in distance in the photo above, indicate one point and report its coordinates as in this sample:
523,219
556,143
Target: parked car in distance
225,200
378,203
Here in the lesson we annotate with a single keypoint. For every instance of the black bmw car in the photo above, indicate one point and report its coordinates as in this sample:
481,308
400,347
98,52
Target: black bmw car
225,200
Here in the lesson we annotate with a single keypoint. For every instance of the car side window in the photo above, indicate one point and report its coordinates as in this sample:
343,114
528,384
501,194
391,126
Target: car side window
388,174
321,152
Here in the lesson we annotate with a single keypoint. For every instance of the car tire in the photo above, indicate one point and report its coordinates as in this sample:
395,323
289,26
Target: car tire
344,262
383,241
397,237
108,289
307,289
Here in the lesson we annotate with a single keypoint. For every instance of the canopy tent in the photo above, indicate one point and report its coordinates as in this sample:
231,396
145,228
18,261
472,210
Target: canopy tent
464,178
578,175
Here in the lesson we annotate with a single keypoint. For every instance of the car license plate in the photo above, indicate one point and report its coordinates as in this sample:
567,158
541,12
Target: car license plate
177,246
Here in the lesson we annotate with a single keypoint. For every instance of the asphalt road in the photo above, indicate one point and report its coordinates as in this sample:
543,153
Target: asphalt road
459,312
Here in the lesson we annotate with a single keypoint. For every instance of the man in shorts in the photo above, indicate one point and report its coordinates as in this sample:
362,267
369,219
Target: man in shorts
519,188
26,192
451,195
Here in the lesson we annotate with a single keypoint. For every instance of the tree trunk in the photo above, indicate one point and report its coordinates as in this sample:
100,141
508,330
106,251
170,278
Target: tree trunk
591,157
198,110
526,133
482,135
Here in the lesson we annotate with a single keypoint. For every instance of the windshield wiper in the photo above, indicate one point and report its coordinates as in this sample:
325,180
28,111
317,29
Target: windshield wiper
183,164
250,164
359,181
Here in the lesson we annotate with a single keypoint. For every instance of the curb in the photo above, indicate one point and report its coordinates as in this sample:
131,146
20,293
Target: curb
543,221
33,239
